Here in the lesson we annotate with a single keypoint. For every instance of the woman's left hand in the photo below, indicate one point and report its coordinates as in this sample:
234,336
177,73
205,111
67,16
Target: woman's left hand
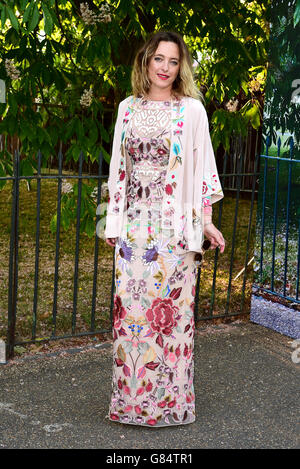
215,236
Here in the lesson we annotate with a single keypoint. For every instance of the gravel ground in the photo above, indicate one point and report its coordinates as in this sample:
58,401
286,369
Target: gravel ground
278,317
247,396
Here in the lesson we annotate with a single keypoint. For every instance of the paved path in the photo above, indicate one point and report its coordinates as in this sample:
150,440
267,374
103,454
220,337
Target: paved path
246,384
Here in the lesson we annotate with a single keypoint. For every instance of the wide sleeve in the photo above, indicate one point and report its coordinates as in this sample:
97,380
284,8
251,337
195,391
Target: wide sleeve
113,221
207,185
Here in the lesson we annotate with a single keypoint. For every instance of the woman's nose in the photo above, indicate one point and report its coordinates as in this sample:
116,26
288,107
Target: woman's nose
165,66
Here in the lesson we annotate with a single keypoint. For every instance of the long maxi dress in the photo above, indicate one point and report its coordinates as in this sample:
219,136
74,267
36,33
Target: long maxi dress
153,315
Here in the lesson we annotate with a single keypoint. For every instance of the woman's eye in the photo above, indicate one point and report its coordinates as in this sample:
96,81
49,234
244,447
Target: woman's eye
172,62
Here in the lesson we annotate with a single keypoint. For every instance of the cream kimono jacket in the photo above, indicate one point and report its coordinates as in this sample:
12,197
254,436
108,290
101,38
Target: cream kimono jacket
191,173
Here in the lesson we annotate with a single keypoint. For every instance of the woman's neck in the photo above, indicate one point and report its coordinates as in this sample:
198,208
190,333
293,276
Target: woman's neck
159,96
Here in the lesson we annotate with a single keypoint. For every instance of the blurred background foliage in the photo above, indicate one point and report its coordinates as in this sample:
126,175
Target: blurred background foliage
282,91
65,62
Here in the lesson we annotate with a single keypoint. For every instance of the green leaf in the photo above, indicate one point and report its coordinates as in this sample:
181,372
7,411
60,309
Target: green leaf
65,219
47,75
104,133
90,227
13,19
75,151
79,128
2,174
23,4
245,87
59,80
80,51
26,168
46,149
49,54
43,135
93,133
3,16
103,47
69,129
107,157
13,105
297,14
54,133
91,51
47,20
34,19
11,124
28,11
53,223
253,115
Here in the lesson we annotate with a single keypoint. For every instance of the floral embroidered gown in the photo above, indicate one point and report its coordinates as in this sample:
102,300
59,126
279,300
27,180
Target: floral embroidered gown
153,358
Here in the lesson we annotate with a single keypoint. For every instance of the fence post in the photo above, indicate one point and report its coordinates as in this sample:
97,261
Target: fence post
13,260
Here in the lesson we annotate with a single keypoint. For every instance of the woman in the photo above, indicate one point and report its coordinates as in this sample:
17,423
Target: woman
162,183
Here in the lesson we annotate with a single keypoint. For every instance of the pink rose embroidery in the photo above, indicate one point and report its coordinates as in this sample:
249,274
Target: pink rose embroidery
162,316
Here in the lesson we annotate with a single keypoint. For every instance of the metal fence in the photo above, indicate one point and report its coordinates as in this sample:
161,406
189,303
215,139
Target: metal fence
278,224
13,253
232,284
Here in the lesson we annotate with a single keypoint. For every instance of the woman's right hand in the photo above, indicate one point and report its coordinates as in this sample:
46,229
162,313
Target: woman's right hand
111,241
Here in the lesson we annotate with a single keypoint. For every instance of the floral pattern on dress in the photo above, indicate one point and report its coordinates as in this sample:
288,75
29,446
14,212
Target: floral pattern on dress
153,370
153,316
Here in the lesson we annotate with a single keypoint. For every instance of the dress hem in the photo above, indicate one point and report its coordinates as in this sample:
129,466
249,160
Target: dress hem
153,426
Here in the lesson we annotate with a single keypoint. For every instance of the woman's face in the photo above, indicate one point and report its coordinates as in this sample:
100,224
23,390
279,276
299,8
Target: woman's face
164,66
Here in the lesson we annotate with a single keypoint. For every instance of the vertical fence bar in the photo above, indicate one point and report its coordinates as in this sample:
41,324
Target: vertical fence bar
96,252
238,184
58,218
288,204
275,215
37,246
249,229
298,264
75,290
13,260
268,143
212,299
234,168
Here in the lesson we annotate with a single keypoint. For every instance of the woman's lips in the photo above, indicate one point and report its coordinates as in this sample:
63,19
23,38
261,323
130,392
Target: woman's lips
163,77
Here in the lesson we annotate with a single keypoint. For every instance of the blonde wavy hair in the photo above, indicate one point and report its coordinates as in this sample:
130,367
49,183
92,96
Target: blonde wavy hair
183,85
